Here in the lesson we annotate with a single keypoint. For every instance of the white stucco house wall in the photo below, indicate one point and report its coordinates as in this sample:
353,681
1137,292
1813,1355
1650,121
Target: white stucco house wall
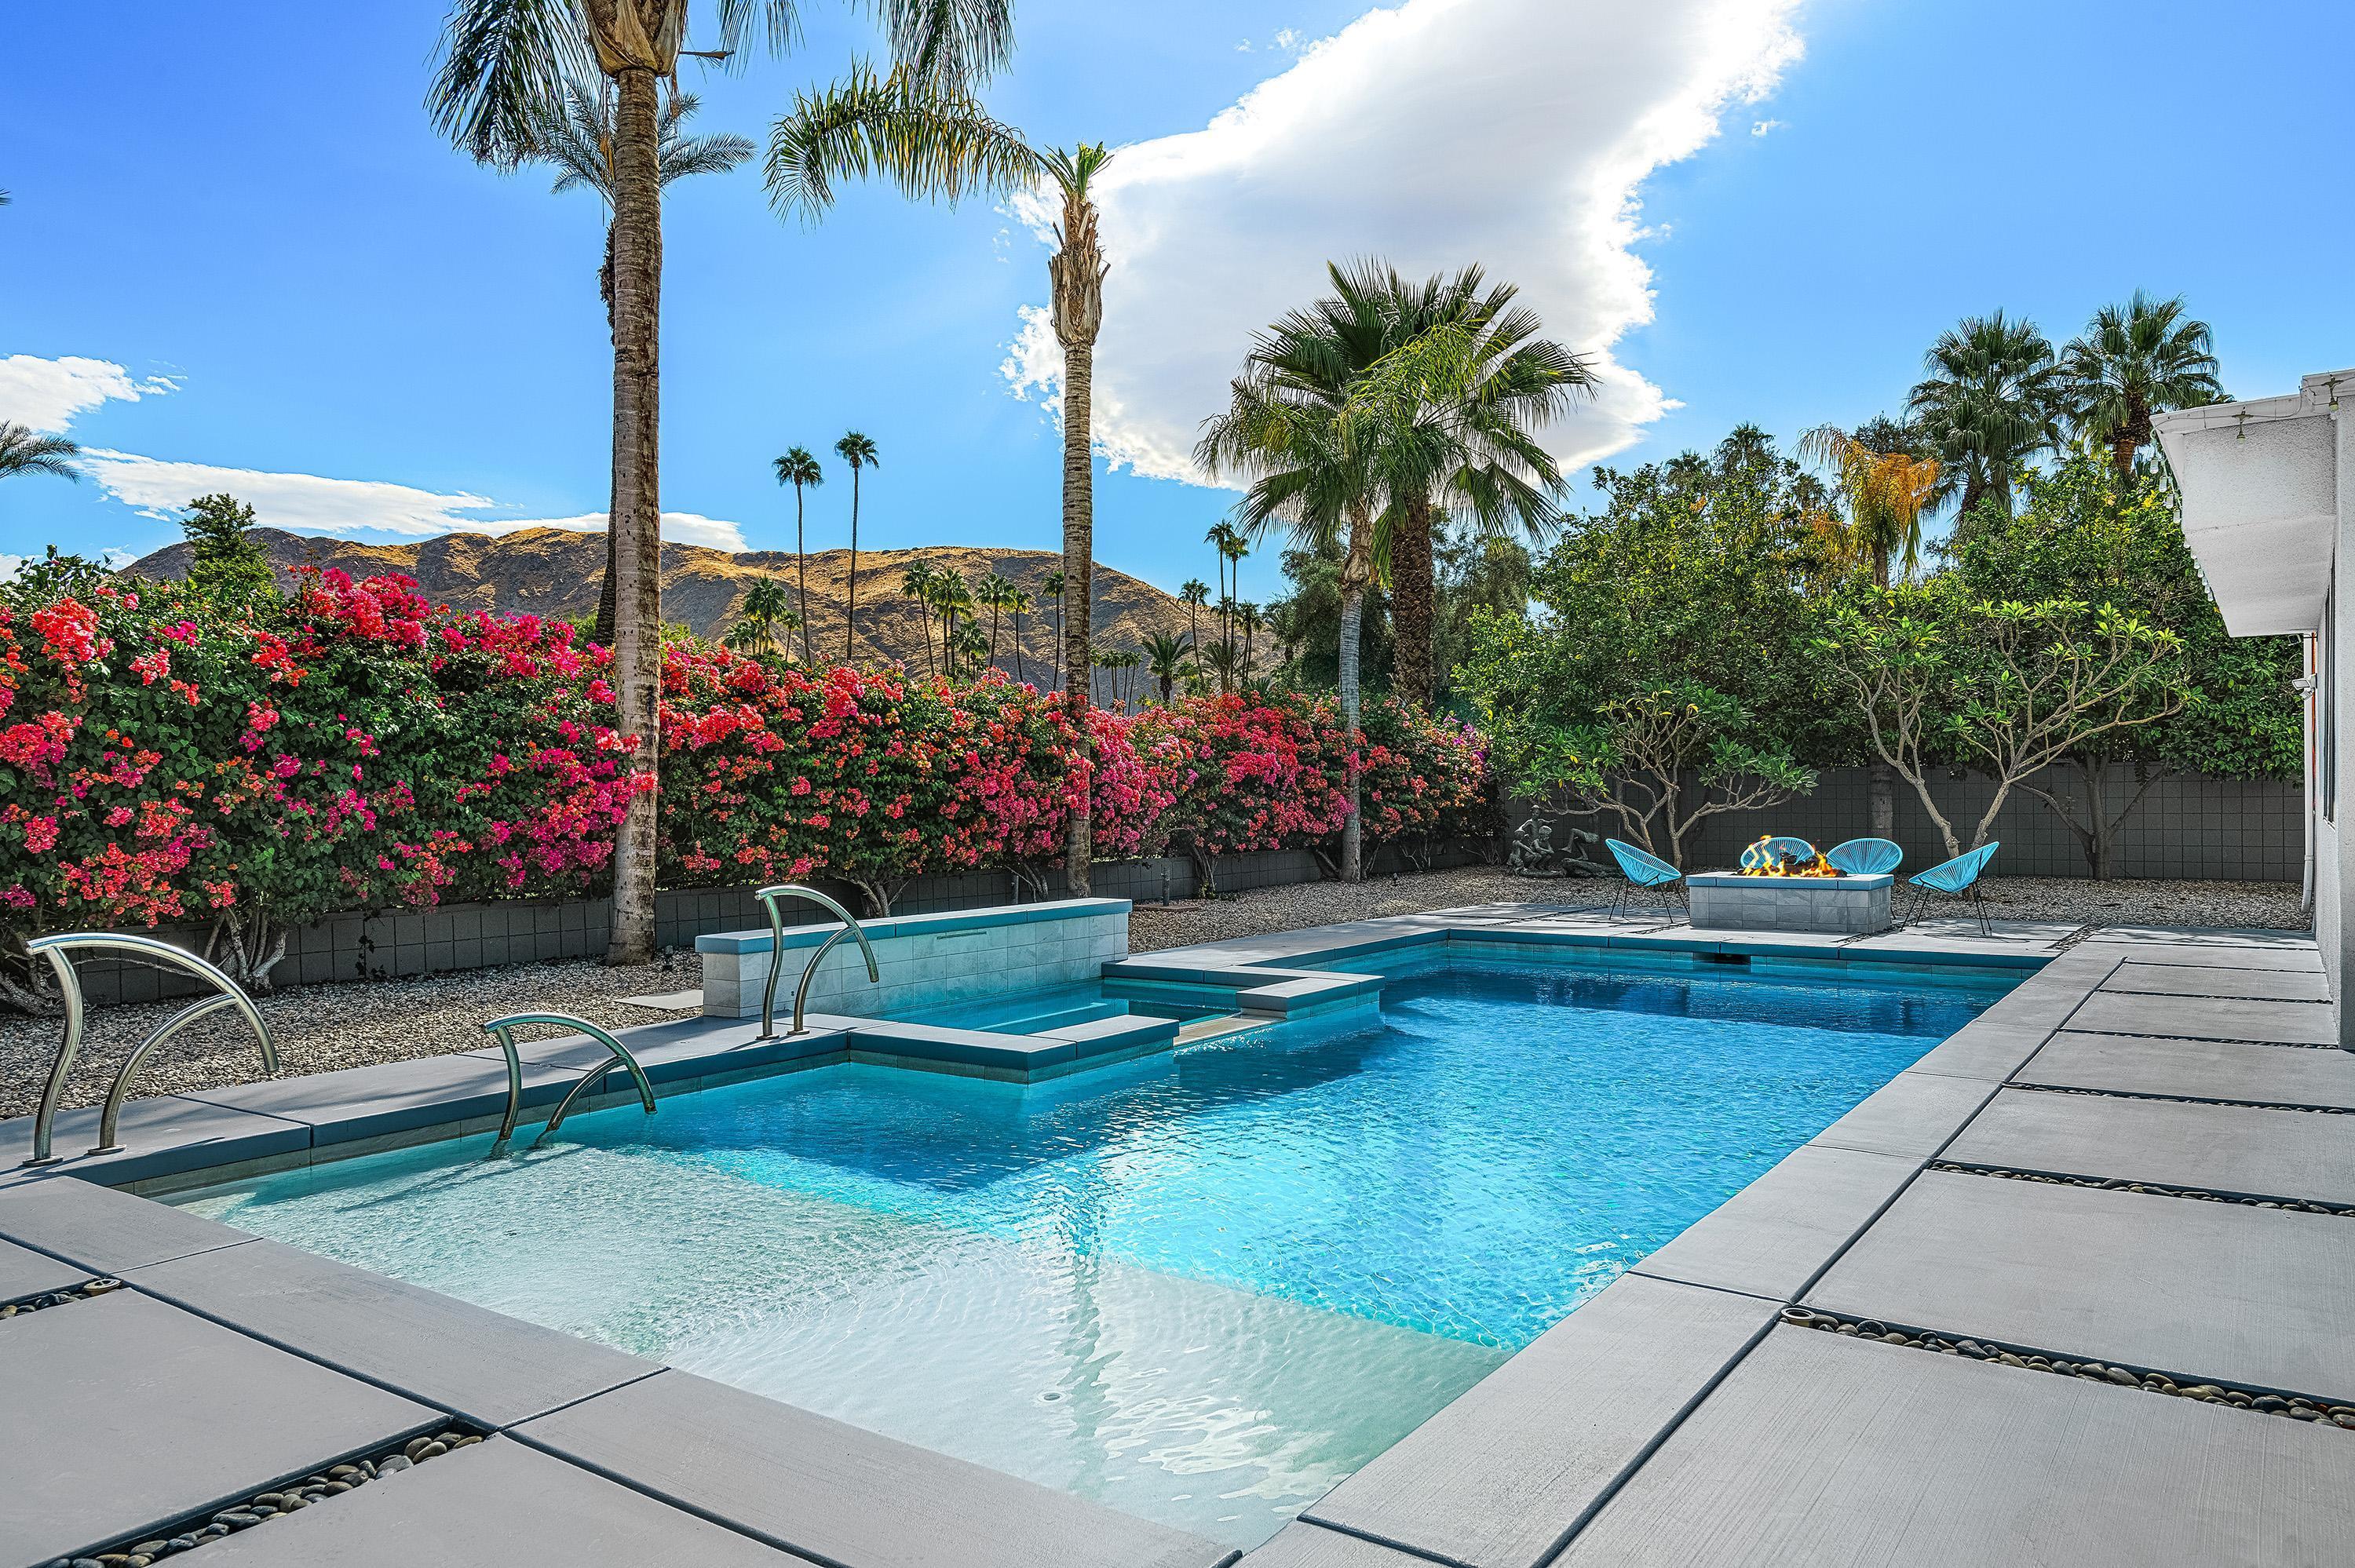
2269,488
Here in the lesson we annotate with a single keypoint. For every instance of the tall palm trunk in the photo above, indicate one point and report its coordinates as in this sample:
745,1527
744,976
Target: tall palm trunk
1078,573
850,597
636,517
1413,603
1357,569
801,571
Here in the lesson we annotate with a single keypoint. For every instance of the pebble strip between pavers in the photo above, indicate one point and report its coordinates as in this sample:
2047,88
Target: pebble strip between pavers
2179,1099
262,1507
2119,1185
82,1292
2296,1407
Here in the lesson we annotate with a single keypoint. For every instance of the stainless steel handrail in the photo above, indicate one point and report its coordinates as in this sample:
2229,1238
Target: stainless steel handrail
54,949
850,928
502,1029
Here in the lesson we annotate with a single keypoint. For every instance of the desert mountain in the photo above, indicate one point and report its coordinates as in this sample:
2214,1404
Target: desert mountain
552,572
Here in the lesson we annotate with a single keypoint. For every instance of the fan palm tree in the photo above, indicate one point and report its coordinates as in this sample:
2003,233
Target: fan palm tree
2132,361
800,470
953,598
1986,406
1165,659
1247,622
1052,586
917,582
1194,595
1888,486
1018,603
1231,546
501,71
23,451
858,452
995,590
765,614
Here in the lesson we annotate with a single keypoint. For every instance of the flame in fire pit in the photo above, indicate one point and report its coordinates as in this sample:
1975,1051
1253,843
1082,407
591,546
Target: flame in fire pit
1764,859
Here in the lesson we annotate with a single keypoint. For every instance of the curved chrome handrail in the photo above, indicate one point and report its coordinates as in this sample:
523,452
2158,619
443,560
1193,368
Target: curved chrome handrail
850,928
54,949
502,1029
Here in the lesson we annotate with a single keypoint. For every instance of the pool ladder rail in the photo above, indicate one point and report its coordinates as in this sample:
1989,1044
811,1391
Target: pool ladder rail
56,948
769,898
503,1031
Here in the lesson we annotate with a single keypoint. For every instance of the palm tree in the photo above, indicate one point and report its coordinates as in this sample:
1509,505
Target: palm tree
1195,595
1052,586
1018,602
1502,383
502,68
1887,483
994,591
918,582
858,452
1986,406
800,470
1165,659
954,597
22,451
1231,546
2131,362
1247,620
765,612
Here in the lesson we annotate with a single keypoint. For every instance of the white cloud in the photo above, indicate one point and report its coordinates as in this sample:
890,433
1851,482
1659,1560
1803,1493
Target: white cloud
1515,133
310,503
1764,126
46,394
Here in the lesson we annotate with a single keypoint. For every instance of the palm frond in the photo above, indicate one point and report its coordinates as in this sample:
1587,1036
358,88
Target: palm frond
23,451
933,141
957,44
503,70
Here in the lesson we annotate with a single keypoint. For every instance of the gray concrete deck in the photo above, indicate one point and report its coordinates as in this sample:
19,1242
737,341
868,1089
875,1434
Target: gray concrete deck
1680,1416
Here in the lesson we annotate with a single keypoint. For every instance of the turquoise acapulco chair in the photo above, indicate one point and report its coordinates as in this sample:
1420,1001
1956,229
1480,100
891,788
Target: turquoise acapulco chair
1645,872
1955,878
1865,857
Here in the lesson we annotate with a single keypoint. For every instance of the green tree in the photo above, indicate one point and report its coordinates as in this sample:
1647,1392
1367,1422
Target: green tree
1476,572
917,581
22,451
765,618
1166,661
2132,361
2083,536
1194,595
995,593
1231,546
1018,604
1053,584
226,562
858,451
1986,407
502,68
1888,484
799,469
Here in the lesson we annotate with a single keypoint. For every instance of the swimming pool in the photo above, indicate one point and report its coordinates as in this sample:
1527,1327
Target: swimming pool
1203,1286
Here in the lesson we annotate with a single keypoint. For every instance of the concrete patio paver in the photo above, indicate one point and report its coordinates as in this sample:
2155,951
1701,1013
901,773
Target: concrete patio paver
124,1414
2261,1297
24,1272
467,1360
1314,1546
2195,1069
1915,1114
2218,979
2208,1018
1824,1450
496,1501
165,1136
2219,1148
839,1495
1500,1476
102,1230
1775,1234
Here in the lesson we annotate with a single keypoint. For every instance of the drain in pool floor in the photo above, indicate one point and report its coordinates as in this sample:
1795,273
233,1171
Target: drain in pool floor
288,1496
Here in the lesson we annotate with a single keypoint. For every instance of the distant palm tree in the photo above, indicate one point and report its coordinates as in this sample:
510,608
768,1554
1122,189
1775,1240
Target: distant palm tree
502,68
1987,404
1165,658
1017,600
996,589
24,451
766,612
917,582
1888,486
801,469
953,598
1053,587
1195,593
1231,546
858,452
1247,620
2132,361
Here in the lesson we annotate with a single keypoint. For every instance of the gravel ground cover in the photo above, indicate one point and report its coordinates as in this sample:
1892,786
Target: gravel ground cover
322,1028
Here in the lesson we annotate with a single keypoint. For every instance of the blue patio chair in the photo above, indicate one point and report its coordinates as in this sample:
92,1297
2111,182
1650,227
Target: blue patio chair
1955,878
1865,857
1647,873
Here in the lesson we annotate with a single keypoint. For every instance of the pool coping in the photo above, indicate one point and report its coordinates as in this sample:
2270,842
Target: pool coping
1495,1478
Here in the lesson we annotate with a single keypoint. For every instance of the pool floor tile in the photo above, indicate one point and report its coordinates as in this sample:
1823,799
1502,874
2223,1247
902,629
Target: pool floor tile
124,1414
1823,1450
2264,1297
2221,1148
104,1231
465,1359
496,1501
2196,1069
1775,1234
2208,1018
1500,1477
840,1495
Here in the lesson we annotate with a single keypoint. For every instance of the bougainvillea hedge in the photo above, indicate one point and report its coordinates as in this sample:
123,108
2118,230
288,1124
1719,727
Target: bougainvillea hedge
350,746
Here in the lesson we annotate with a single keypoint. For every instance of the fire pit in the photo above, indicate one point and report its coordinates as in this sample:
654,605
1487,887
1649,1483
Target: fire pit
1778,888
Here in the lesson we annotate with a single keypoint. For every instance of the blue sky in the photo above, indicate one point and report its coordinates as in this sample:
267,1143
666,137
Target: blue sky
1749,209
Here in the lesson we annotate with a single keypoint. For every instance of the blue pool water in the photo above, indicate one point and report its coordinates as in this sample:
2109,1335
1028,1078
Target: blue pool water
1202,1287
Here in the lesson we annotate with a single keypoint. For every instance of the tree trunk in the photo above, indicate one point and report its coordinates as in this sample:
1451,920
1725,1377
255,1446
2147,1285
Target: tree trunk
801,571
1881,799
1078,584
850,596
2122,457
1355,571
1413,603
603,632
635,521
